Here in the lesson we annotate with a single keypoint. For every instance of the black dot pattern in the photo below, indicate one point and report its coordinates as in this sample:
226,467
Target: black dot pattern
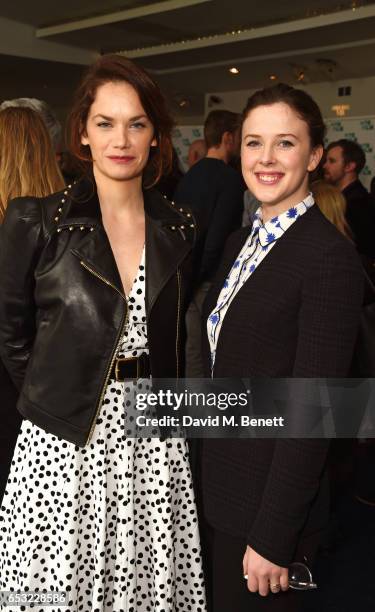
114,524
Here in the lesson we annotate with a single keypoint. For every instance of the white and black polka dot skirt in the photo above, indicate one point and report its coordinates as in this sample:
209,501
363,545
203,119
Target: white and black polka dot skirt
114,524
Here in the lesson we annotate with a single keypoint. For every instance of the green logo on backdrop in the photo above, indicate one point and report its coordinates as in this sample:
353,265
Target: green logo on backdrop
367,147
337,126
367,124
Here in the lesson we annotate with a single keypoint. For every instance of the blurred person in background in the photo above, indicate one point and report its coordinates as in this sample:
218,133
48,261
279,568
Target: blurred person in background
27,166
345,159
197,151
69,167
214,192
28,163
51,122
332,204
250,206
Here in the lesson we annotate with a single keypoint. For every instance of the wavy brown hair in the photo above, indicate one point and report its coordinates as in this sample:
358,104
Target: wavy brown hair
28,165
112,68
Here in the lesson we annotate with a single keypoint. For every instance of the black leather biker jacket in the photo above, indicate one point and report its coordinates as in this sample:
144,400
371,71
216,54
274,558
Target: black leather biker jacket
62,307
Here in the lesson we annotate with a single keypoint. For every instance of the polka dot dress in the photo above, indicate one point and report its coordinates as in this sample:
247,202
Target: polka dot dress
113,524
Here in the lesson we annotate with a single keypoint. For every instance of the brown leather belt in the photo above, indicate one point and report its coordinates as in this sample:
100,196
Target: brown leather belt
128,368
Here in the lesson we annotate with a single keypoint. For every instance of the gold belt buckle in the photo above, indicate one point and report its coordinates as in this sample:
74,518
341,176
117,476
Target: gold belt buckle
120,359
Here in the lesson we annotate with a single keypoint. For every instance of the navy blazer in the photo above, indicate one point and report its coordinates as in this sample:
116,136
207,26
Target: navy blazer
296,316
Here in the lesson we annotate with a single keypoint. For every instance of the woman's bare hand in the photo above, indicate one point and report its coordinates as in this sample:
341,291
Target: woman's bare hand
262,575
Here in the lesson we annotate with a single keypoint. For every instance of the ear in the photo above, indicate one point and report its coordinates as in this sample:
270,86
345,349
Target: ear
154,142
84,138
350,167
228,138
315,158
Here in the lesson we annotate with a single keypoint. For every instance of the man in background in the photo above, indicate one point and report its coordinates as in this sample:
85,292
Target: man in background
214,192
197,151
345,159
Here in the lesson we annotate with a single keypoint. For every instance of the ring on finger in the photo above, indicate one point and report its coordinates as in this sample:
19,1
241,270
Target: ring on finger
275,588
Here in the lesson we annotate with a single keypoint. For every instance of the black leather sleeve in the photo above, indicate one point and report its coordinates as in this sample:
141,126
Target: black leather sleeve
21,239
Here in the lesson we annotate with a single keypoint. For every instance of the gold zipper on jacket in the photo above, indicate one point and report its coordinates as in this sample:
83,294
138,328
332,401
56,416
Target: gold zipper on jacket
113,357
178,321
107,377
105,280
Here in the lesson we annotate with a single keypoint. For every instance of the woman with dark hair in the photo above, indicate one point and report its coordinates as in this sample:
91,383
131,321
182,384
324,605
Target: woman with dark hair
94,282
289,293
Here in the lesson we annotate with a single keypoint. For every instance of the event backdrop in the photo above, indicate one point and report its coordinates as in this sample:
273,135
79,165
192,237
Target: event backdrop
360,129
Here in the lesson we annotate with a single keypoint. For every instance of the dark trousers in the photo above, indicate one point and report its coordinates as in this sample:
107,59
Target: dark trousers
226,588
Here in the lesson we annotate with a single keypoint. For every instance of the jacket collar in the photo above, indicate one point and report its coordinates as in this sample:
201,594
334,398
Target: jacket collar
355,188
168,237
80,203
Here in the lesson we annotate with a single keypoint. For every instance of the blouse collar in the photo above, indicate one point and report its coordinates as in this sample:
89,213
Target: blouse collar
277,226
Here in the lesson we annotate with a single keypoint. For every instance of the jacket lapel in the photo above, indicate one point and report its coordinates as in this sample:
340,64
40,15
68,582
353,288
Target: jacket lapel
167,244
94,249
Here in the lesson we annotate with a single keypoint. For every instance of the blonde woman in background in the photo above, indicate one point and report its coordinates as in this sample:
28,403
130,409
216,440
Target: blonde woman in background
28,163
332,204
28,166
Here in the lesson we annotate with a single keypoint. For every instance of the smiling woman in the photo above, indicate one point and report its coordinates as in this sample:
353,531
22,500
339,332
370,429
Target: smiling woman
276,162
285,303
94,284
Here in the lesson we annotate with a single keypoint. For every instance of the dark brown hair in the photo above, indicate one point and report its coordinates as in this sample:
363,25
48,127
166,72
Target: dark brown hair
113,68
217,123
297,99
351,152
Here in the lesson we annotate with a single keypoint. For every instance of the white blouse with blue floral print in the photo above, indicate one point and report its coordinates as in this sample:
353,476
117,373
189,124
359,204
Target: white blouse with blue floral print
260,242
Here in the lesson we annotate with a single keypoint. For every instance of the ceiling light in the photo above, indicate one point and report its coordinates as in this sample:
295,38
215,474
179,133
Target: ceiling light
273,77
234,70
340,109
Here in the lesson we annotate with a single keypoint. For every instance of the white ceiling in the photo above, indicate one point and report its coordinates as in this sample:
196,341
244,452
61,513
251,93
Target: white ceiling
190,48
